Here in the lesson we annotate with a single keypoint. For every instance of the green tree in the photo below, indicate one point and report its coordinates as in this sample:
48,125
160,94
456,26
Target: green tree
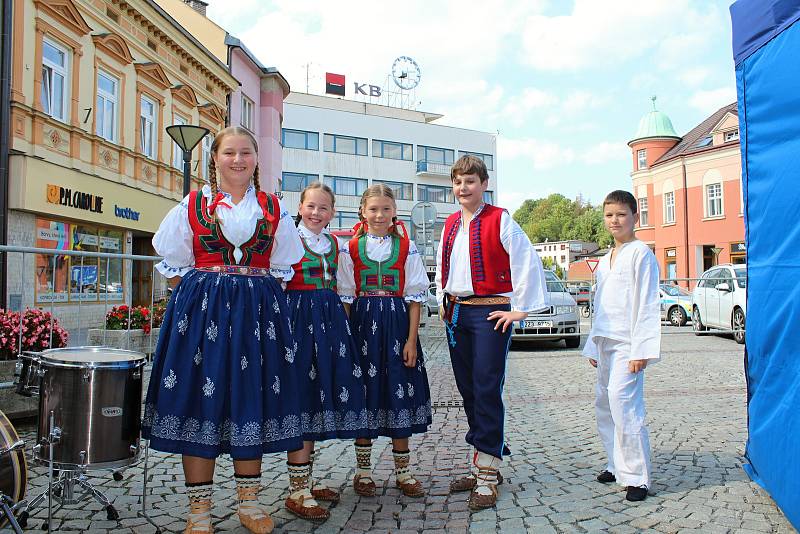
556,218
550,264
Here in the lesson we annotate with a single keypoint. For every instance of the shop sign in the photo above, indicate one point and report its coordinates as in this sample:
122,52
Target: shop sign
74,199
126,213
738,248
671,252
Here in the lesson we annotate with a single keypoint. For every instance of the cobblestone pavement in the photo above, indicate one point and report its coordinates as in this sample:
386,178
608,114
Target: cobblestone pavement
697,413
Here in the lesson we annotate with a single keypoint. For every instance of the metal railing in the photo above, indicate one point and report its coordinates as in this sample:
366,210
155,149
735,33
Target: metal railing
85,301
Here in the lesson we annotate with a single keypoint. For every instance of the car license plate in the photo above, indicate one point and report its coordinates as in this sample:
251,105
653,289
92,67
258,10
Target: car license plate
538,324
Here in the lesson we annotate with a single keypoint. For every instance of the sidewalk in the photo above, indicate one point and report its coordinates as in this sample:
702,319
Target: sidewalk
697,428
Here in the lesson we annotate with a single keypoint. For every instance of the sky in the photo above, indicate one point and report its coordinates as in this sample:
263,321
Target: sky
561,83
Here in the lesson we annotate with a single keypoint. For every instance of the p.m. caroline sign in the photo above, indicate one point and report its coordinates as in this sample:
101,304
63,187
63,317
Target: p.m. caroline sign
74,199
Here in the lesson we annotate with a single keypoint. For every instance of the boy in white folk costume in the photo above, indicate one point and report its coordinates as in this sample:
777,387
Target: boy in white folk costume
487,276
625,336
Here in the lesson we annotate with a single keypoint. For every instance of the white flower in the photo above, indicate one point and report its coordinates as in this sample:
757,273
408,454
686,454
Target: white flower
208,389
271,331
372,370
257,331
250,283
397,347
342,350
344,395
356,370
347,326
212,331
311,329
368,305
312,374
170,380
183,324
364,348
400,393
243,362
392,303
275,306
381,303
322,325
198,357
410,390
276,386
289,355
321,396
204,305
228,304
374,327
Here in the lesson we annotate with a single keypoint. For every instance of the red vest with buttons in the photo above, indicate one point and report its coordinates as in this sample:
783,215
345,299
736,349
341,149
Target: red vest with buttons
490,264
387,276
212,249
316,271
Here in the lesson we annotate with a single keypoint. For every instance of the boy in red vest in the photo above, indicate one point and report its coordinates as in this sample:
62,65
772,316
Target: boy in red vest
487,276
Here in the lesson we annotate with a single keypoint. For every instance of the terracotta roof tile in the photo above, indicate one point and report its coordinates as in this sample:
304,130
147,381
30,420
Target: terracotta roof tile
688,144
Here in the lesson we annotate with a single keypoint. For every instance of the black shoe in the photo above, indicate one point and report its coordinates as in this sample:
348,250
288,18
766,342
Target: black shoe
606,476
636,493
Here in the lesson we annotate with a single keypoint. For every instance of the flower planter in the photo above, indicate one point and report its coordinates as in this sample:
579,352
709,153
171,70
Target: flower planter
124,339
15,406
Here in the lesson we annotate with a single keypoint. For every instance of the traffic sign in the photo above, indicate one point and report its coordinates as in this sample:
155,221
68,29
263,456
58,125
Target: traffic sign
423,214
592,263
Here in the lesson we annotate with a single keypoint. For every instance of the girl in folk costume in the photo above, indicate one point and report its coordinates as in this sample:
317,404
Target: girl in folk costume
382,275
223,378
329,371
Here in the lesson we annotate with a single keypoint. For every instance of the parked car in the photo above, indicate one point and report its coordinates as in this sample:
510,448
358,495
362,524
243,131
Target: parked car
582,293
720,300
431,305
676,304
560,317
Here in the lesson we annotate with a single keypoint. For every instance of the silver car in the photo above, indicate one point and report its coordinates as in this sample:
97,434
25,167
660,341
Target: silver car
556,322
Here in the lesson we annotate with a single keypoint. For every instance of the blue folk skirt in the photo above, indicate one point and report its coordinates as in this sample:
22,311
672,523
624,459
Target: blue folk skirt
224,378
330,377
398,397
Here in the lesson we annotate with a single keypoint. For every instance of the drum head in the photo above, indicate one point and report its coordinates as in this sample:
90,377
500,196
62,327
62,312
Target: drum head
13,467
96,356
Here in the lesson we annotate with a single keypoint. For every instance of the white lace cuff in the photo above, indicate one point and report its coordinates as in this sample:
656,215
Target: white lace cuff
416,297
347,299
170,272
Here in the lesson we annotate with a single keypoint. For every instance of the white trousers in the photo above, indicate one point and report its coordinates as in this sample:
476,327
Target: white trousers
619,405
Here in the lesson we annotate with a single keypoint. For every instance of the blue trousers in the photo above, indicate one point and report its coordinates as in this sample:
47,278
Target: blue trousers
479,365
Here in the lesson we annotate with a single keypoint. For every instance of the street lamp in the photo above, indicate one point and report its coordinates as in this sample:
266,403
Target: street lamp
186,136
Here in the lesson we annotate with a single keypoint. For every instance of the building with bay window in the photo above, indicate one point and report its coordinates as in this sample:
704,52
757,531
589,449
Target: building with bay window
94,84
351,145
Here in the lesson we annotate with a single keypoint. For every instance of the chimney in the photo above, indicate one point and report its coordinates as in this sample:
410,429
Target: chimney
197,5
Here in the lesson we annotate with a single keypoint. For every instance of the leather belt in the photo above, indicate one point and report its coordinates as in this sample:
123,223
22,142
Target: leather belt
236,269
478,301
377,293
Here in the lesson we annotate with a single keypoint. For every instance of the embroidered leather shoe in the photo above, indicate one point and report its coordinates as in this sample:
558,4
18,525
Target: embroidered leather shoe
364,486
468,482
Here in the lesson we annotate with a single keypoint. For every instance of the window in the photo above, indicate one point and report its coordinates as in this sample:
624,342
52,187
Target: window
147,125
54,80
714,200
705,141
435,155
644,214
347,186
205,155
300,139
297,181
488,197
177,152
344,219
641,156
434,193
391,150
733,135
248,119
401,190
488,159
669,207
107,106
70,278
344,144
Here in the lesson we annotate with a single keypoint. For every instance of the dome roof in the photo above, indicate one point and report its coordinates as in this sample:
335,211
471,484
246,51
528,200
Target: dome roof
655,124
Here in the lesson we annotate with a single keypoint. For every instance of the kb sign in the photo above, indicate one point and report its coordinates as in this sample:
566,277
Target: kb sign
366,89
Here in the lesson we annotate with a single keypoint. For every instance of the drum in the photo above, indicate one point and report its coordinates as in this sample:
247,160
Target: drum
13,469
26,373
95,394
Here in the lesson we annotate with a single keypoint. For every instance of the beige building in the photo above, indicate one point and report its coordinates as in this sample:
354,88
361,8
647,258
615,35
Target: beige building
564,252
94,84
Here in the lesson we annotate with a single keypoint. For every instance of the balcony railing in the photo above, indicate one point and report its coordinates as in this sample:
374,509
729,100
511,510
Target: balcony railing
432,168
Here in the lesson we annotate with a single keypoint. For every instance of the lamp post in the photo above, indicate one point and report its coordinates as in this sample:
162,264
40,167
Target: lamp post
186,136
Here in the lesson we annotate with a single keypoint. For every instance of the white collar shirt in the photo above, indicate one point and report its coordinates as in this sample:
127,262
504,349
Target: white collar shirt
527,274
626,302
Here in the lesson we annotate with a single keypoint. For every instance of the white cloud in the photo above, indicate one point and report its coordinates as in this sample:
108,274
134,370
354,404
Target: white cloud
602,34
542,154
694,76
710,101
606,151
518,108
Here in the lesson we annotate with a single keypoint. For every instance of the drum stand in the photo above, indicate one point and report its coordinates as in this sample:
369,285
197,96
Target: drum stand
7,505
64,487
143,512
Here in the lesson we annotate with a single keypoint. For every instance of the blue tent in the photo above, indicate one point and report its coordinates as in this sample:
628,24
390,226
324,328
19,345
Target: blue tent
766,48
